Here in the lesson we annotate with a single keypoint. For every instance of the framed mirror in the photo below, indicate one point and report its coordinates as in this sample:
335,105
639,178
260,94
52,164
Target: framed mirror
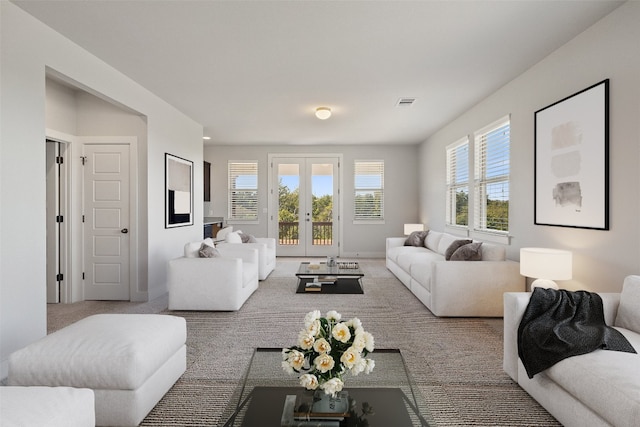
178,173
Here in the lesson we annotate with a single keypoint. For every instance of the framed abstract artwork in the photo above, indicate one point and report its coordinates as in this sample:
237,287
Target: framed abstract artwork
571,161
178,191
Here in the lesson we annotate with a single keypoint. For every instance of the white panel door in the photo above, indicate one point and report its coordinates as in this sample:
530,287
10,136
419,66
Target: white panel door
106,223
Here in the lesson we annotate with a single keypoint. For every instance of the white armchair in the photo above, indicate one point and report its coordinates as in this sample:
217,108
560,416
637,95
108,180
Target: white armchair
266,247
221,283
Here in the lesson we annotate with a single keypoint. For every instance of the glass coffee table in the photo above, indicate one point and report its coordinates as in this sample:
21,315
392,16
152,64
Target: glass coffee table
388,395
343,278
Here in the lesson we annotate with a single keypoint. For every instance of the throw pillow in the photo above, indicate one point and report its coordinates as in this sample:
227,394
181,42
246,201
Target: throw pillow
222,234
416,238
628,314
233,237
468,252
454,247
207,251
247,238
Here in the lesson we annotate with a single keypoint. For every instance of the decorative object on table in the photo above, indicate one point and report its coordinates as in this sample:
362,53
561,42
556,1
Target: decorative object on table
331,261
350,265
546,265
178,174
327,349
571,163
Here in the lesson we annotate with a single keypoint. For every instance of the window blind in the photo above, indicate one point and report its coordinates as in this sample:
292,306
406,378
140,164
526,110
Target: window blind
492,168
243,191
369,190
457,203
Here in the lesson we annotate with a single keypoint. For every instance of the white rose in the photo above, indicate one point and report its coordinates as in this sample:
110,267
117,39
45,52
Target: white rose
332,386
370,365
322,346
334,315
359,366
308,381
287,367
295,359
324,363
311,317
341,332
305,341
314,328
350,357
369,342
359,341
355,323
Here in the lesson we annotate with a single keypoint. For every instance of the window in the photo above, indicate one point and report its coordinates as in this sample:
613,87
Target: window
458,183
369,190
243,191
491,196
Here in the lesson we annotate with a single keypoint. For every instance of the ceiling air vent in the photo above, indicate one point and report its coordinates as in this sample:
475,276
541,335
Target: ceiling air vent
405,102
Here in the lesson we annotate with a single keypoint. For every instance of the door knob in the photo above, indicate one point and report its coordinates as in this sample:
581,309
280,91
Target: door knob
124,230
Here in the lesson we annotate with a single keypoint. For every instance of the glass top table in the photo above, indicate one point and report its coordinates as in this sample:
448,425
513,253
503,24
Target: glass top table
345,269
389,392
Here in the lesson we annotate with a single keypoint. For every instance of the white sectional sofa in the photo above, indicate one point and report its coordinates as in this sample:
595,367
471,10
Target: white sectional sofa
454,288
601,388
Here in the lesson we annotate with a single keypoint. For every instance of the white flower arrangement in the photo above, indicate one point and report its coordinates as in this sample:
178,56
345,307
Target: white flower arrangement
327,349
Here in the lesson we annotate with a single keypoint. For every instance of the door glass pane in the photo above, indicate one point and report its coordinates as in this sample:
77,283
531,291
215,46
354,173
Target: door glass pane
322,204
289,204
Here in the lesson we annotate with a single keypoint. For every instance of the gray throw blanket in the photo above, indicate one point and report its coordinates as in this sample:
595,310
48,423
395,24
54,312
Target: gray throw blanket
558,324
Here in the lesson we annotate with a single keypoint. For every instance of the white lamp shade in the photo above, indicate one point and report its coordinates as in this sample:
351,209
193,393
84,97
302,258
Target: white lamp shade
545,263
410,228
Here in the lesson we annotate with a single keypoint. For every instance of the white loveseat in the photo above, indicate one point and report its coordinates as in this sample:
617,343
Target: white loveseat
601,388
454,288
221,283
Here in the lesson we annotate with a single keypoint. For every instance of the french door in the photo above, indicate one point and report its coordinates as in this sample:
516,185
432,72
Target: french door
305,205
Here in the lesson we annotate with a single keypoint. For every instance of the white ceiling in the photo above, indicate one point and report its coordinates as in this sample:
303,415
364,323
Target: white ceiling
253,72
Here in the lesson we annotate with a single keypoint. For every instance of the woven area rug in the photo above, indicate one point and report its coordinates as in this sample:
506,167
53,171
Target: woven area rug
456,362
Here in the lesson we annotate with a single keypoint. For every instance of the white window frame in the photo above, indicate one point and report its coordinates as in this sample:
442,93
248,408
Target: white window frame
484,178
234,169
454,183
373,168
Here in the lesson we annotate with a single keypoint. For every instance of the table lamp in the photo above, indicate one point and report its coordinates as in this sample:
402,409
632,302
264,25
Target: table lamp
546,265
410,228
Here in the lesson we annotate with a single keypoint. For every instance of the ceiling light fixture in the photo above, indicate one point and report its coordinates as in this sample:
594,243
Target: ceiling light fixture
323,113
206,137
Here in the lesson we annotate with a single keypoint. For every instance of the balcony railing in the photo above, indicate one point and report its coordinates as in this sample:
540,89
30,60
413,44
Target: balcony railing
288,233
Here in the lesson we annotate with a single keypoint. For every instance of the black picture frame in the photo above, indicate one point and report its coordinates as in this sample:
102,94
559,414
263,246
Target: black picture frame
178,174
571,160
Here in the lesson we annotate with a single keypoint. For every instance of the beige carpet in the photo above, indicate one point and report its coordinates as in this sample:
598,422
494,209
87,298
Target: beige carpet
456,362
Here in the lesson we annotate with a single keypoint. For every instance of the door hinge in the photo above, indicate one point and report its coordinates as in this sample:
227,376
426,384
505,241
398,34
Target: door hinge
59,160
82,218
59,277
84,160
83,275
59,218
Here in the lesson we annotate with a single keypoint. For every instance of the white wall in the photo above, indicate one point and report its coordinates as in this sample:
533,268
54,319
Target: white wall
28,48
609,49
401,189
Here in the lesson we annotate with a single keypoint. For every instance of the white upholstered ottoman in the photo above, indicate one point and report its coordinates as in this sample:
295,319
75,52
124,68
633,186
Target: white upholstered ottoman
129,360
46,406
